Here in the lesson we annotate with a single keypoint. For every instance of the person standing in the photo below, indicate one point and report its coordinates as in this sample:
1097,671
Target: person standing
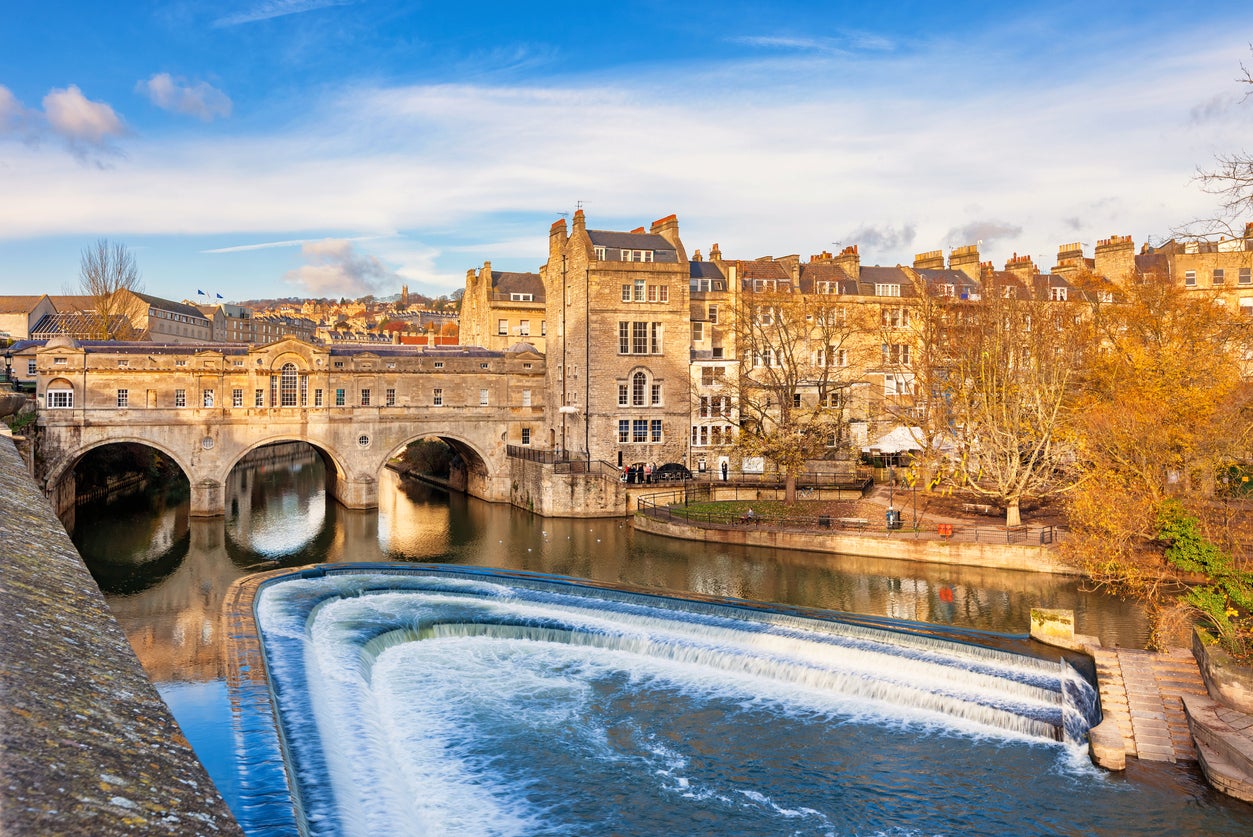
724,470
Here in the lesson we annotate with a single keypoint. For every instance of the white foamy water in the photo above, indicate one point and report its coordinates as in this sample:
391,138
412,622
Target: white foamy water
441,705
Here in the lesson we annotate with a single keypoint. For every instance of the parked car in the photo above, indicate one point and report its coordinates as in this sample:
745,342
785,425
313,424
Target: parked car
672,471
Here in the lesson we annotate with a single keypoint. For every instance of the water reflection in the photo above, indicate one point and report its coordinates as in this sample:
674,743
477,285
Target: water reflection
165,574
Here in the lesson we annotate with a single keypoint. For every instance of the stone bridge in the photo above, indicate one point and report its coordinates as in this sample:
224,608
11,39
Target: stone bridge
207,405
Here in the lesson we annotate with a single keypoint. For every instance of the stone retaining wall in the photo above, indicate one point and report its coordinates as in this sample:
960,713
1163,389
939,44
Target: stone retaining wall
87,746
997,556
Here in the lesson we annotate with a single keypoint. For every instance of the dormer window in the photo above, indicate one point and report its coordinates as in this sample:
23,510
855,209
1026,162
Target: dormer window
887,290
1057,293
516,297
637,255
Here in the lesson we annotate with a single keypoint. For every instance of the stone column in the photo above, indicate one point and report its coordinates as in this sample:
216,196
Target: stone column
207,499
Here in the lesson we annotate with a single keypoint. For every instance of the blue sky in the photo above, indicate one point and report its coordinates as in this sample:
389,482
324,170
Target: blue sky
268,148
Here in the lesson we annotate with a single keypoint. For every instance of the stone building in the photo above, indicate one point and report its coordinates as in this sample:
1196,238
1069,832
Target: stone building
618,347
502,308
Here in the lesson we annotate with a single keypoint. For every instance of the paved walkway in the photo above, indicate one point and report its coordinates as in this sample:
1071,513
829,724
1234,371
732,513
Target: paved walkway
1142,692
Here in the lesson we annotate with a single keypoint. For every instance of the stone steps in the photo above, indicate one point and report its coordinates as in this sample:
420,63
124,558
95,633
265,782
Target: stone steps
1224,739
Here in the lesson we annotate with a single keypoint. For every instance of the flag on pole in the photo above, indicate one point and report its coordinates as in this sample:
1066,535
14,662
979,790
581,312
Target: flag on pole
199,292
219,296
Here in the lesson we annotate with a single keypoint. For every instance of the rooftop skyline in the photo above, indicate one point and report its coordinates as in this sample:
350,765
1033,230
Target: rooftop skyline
272,148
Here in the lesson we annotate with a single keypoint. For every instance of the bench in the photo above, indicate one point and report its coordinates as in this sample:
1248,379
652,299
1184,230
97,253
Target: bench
853,522
979,508
747,518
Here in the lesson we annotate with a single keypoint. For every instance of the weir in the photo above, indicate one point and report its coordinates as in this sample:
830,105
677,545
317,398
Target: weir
396,690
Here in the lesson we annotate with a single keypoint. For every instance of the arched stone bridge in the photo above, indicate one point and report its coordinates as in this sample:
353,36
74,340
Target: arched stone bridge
207,405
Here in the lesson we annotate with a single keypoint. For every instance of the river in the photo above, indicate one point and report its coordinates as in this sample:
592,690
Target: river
165,575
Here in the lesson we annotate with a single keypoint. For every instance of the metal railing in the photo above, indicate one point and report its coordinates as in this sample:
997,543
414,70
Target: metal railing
672,506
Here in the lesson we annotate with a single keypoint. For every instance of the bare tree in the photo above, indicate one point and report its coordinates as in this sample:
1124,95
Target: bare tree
795,380
109,275
1014,365
1231,179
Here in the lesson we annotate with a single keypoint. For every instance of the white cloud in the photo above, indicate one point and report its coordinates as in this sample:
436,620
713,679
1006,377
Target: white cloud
760,157
12,114
335,268
84,125
201,100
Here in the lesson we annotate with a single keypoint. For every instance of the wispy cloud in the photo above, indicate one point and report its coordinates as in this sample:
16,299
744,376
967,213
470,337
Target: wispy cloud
201,100
844,42
335,267
268,9
293,242
86,127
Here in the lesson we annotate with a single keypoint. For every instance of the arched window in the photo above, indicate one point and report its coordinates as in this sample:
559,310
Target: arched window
639,382
60,394
287,385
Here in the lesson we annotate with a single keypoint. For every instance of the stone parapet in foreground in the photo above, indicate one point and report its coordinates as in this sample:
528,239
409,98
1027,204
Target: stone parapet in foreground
87,746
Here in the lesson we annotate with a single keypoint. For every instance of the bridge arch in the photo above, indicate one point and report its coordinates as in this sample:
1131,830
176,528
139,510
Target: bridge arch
475,472
54,479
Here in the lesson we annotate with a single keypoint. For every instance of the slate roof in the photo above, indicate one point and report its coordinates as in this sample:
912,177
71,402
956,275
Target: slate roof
704,270
170,305
630,241
504,282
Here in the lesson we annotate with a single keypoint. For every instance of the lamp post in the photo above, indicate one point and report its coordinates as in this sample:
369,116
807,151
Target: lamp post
8,365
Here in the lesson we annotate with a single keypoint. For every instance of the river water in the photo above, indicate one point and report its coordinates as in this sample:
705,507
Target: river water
165,576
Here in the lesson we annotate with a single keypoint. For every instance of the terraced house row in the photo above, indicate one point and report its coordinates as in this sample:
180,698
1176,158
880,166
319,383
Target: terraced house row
655,355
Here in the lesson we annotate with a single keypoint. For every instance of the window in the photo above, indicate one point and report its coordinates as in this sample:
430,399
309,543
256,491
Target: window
638,382
600,253
502,326
639,431
1189,278
180,398
317,397
1246,276
1057,293
887,290
713,314
626,292
237,397
543,327
624,430
437,397
658,293
339,398
482,398
698,332
623,399
898,384
639,289
526,398
60,398
123,363
30,367
524,328
896,354
895,317
123,398
517,297
180,363
656,430
710,375
258,399
206,398
796,399
287,385
439,364
656,395
1220,276
304,390
526,435
835,398
639,338
637,256
389,396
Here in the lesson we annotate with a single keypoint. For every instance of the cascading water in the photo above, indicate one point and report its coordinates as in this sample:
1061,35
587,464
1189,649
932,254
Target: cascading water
439,701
